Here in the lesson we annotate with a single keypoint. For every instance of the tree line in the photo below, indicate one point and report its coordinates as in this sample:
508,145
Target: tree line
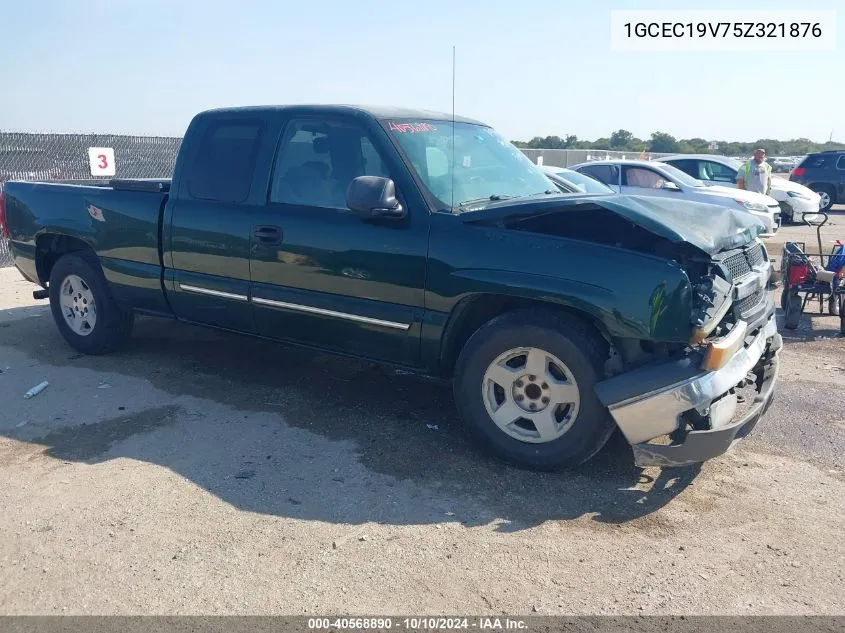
661,142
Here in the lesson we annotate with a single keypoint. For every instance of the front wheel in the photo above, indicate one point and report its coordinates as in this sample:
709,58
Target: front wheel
833,305
524,385
84,310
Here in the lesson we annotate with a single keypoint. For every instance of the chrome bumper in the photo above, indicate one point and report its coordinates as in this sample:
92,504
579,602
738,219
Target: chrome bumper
658,412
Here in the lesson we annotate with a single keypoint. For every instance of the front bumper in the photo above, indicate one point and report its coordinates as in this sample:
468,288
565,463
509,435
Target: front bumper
770,220
672,392
800,206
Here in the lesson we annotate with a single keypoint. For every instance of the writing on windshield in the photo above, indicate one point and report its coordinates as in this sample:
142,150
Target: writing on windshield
405,128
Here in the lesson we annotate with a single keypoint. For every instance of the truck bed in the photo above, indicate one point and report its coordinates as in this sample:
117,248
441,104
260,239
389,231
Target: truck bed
120,218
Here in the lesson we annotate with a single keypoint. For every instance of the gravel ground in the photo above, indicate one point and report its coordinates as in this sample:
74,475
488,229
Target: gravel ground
202,473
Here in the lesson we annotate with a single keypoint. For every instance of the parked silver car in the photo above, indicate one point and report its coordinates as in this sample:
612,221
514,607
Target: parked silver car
654,178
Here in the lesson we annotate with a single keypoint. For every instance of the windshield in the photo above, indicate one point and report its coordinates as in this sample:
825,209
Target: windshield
582,182
472,163
680,176
733,162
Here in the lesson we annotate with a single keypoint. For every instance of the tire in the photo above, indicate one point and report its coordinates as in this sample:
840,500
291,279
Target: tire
569,345
833,305
109,328
825,190
842,315
793,311
784,293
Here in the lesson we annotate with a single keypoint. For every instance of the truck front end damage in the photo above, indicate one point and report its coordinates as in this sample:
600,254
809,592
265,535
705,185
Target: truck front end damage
696,369
695,405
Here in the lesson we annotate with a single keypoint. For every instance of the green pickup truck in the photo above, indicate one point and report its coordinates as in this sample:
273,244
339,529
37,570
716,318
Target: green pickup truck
428,242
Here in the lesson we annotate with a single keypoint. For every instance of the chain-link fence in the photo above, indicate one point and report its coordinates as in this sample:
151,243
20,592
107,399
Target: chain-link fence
65,156
25,156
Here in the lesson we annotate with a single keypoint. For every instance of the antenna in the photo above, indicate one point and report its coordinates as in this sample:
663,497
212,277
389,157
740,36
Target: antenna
453,126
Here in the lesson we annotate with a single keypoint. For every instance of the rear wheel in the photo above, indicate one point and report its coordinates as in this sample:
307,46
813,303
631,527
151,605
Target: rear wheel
793,311
833,306
84,310
524,386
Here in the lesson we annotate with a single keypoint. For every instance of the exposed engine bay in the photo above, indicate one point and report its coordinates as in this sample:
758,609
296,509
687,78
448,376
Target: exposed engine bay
716,247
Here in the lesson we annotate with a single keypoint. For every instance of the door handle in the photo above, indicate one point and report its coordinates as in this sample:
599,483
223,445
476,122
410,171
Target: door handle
267,234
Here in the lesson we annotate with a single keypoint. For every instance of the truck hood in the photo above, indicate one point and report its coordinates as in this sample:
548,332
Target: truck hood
711,228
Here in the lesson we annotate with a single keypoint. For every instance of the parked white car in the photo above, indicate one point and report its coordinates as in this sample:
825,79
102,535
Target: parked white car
795,200
656,178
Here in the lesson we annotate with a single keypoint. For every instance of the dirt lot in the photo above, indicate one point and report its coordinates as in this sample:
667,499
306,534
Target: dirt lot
203,473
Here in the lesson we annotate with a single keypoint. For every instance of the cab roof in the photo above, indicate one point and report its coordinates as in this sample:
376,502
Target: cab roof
376,111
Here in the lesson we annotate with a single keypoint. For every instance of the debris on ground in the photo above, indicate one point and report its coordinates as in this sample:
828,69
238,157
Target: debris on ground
36,390
432,427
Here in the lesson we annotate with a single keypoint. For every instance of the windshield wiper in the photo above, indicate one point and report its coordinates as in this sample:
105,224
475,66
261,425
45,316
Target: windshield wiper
493,198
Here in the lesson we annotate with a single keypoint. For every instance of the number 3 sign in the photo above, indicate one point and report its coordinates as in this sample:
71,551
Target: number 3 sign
101,160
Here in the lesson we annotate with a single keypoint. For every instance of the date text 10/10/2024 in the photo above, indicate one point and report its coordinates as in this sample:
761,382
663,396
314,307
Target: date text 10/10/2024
417,623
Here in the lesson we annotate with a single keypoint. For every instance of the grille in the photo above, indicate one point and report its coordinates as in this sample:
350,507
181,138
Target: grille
739,262
737,265
750,301
755,255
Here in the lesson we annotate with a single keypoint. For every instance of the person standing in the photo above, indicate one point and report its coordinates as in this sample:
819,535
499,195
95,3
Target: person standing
756,174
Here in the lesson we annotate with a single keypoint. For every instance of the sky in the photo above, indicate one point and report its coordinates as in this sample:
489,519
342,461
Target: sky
528,68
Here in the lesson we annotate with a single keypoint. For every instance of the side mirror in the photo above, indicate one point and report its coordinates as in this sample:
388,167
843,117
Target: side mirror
374,197
670,186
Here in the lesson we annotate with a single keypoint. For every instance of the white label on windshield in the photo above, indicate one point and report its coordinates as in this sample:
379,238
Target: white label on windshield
467,162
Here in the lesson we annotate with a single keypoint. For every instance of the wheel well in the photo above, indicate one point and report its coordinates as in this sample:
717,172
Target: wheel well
823,185
473,312
50,247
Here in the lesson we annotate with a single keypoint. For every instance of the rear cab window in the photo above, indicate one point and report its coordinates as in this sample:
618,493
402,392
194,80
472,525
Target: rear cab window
223,168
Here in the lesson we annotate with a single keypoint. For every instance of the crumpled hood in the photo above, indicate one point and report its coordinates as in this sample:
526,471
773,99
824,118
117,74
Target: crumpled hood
711,228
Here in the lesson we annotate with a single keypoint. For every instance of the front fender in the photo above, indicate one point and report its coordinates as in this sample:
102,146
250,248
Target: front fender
645,307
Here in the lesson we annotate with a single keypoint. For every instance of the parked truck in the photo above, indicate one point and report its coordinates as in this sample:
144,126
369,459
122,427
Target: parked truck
427,242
